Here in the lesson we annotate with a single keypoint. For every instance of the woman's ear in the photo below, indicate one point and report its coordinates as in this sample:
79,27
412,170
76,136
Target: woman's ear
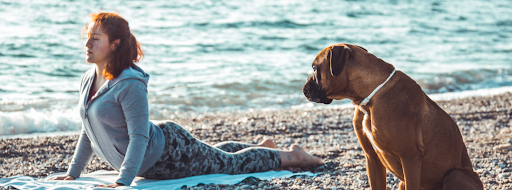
115,44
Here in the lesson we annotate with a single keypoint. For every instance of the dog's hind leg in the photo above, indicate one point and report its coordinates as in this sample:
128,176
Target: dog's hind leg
462,179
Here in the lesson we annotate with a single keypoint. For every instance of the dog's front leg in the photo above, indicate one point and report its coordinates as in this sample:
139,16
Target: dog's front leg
375,168
412,172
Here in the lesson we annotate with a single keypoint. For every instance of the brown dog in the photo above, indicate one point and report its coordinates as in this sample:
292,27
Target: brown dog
399,127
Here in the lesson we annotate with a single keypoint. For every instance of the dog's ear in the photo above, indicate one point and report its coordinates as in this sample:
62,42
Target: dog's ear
338,58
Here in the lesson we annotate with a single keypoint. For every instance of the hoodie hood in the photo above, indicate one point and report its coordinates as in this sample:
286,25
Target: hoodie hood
130,73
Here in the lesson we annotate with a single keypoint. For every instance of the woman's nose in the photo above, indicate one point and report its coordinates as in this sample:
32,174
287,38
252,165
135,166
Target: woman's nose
88,43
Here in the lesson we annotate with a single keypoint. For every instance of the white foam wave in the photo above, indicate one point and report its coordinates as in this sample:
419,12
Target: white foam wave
12,123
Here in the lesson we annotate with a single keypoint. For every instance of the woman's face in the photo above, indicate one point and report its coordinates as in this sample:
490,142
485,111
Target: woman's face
97,48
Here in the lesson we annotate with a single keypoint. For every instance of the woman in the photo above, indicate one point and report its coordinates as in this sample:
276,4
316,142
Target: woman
114,111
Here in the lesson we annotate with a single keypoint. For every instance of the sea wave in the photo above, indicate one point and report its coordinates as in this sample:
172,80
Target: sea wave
466,80
12,123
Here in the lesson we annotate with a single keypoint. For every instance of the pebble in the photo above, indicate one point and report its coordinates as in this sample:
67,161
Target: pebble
502,175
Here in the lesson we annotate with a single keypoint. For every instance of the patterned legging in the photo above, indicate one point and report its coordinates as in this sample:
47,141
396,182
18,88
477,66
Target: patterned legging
185,156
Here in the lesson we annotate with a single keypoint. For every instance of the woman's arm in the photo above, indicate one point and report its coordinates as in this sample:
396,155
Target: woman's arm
82,156
83,150
134,103
64,177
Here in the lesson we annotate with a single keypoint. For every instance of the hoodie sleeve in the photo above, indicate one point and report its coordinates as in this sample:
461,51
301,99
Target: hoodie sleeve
134,103
82,156
83,151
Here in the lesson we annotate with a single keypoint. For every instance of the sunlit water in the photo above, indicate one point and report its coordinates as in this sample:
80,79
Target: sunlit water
239,55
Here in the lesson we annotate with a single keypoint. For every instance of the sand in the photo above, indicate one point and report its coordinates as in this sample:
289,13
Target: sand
485,122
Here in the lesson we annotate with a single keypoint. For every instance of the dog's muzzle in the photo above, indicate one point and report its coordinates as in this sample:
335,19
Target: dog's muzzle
314,92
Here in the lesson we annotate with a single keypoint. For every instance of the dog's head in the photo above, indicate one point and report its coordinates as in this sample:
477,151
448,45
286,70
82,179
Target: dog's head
330,73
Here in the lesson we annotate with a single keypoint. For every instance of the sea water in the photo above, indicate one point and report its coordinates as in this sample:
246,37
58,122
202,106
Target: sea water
229,55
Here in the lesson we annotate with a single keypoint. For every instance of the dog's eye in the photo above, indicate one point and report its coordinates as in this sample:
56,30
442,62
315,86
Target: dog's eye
317,71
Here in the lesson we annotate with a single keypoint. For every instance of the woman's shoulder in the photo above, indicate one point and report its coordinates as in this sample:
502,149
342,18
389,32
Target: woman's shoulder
129,85
130,90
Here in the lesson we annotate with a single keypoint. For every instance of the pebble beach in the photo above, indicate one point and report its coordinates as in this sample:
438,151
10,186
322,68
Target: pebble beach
485,123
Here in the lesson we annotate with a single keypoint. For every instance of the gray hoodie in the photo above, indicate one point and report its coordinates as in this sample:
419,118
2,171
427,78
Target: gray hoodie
116,126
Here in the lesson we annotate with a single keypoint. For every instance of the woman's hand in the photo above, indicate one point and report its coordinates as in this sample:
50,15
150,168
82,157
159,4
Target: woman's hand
65,177
111,185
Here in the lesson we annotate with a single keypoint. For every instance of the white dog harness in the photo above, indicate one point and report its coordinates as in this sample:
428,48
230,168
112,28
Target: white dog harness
367,99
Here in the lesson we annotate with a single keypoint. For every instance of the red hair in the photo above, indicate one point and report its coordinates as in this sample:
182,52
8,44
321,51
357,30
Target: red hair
128,51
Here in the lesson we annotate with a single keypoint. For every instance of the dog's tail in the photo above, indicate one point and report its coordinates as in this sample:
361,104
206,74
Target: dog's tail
462,179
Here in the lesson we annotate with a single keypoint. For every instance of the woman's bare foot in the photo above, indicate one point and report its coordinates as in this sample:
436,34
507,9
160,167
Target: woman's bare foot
267,143
305,159
297,157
